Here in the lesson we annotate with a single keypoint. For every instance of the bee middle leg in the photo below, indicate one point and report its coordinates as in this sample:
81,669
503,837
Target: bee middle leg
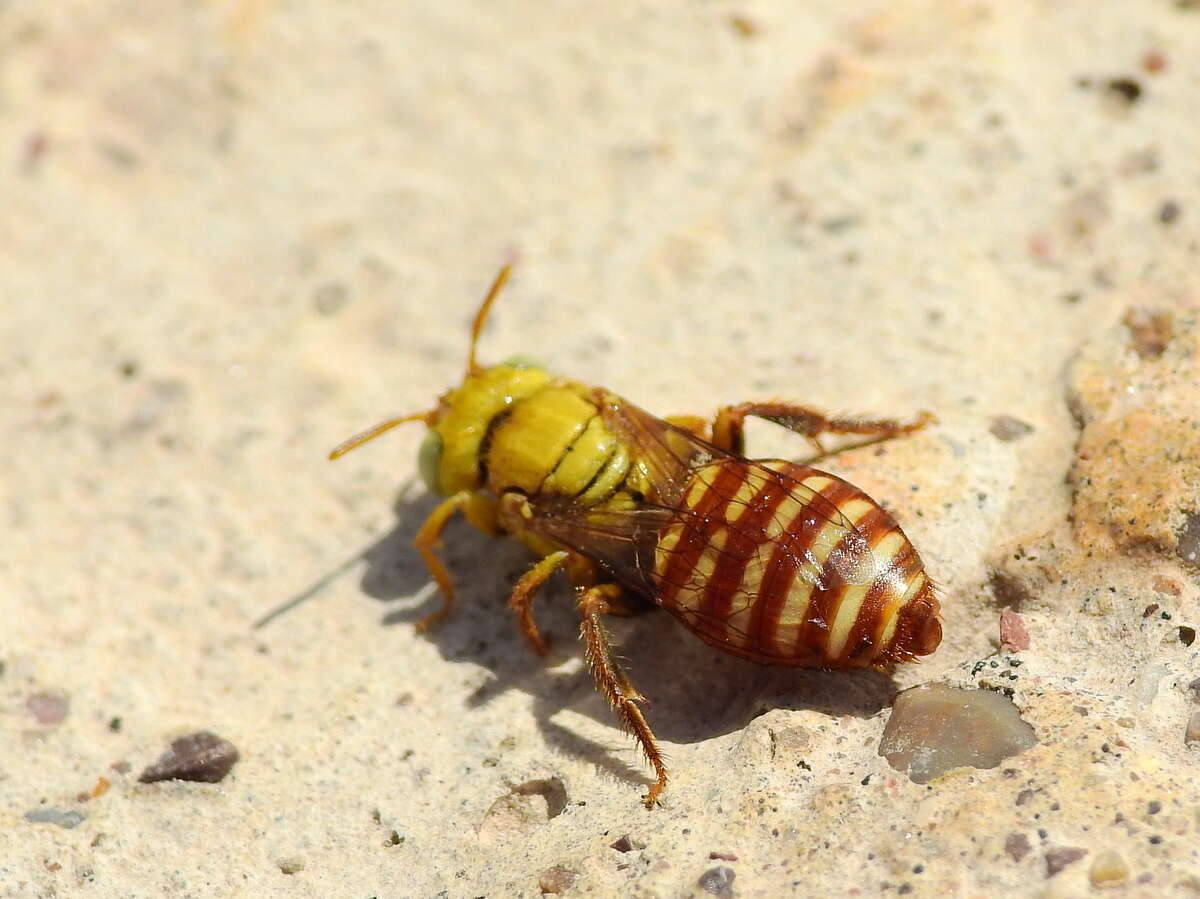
728,428
521,599
613,683
581,571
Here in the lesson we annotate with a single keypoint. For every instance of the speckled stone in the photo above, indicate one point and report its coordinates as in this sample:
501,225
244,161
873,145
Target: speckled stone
936,728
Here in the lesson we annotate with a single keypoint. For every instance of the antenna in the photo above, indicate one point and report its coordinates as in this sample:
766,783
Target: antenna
482,314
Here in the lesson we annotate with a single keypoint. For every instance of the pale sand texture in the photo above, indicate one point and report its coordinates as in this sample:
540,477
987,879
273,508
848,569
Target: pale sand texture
231,234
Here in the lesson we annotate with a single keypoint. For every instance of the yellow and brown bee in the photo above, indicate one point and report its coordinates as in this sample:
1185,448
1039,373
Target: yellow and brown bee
769,560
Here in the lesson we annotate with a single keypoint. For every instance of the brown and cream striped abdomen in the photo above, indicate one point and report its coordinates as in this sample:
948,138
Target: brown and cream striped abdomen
787,565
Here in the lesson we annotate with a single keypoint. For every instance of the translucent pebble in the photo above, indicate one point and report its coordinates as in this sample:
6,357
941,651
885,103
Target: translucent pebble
935,728
68,818
1109,867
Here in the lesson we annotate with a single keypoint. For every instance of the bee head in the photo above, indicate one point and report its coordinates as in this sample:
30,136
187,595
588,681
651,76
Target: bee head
453,456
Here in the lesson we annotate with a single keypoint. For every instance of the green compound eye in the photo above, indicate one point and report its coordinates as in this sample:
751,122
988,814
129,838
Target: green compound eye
523,361
429,461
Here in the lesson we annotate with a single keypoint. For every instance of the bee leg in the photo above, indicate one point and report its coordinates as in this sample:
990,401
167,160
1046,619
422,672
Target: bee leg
728,430
613,683
428,538
521,600
483,514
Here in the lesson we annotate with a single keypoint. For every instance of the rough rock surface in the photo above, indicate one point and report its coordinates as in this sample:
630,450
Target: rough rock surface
1137,468
234,232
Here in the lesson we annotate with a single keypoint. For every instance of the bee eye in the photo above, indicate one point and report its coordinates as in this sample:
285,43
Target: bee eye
523,361
429,461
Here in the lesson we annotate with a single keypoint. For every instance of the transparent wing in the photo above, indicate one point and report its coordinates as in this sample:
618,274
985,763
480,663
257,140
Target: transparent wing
619,540
667,455
622,538
804,532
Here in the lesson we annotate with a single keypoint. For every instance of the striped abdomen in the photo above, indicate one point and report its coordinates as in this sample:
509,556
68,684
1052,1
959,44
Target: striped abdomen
788,565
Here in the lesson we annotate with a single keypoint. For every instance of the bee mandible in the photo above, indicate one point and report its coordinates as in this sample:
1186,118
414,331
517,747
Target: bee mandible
769,560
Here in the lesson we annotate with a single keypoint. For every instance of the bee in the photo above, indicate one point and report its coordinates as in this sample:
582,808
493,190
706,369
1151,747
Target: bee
769,560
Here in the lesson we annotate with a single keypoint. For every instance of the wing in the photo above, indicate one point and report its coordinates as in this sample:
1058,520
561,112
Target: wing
621,535
621,540
675,461
754,521
667,456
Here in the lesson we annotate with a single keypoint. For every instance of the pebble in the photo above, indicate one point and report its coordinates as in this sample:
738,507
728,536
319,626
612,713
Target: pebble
1005,428
1109,867
524,807
1127,90
1057,859
1150,331
203,757
1016,845
556,880
718,881
48,708
1013,635
290,865
63,818
1192,733
1194,686
1188,547
330,297
935,729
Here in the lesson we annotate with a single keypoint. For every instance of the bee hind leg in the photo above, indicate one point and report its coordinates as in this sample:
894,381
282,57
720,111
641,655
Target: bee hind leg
614,683
728,429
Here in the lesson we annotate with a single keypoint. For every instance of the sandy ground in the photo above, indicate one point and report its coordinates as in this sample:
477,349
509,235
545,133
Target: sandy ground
233,233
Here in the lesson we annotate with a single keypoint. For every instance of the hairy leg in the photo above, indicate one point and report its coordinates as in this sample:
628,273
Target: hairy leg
521,599
614,684
728,429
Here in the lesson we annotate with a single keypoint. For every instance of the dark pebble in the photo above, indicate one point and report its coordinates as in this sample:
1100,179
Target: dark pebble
1128,89
717,881
558,879
1017,846
1188,548
202,757
1057,859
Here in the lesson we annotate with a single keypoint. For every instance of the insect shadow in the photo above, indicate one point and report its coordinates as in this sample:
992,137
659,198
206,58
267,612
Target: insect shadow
696,692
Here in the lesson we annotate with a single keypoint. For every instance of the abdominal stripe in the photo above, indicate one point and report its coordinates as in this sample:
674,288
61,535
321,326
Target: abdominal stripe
743,538
685,540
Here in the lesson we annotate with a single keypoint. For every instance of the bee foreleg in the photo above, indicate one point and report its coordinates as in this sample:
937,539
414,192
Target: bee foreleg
428,538
481,511
613,683
521,599
728,430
